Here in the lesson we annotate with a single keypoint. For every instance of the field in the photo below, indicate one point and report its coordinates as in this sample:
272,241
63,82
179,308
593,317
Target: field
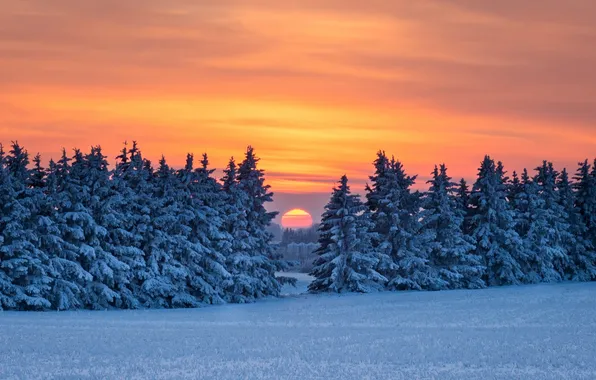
528,332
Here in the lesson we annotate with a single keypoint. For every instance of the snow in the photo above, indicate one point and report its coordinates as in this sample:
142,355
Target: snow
532,331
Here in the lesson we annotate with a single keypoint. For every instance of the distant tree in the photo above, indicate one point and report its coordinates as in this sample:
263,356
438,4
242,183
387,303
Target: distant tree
451,253
585,201
90,179
462,197
7,289
166,245
209,276
63,238
497,242
348,262
581,252
21,260
253,261
542,224
395,214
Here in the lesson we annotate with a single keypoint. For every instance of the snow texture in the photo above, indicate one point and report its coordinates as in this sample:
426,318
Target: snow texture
545,331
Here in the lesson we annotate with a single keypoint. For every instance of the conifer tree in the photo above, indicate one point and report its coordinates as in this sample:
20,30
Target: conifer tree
346,259
63,238
252,262
451,253
542,224
582,255
166,282
208,274
90,176
462,197
7,289
395,215
585,199
497,242
22,261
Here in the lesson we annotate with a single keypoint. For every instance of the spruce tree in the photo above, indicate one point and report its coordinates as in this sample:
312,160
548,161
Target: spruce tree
585,199
253,262
451,253
542,224
64,236
208,274
497,242
22,261
462,197
7,289
90,175
346,259
167,277
395,216
582,255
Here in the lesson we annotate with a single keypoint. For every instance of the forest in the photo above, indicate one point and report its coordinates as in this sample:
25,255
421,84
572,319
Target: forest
529,228
79,235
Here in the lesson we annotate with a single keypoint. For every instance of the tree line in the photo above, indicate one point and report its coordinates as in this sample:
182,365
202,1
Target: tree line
78,235
529,228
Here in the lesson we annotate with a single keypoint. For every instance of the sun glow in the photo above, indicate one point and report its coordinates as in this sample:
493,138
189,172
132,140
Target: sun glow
296,218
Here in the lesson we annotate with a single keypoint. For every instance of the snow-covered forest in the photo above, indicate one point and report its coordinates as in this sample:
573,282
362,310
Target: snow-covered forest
78,235
537,227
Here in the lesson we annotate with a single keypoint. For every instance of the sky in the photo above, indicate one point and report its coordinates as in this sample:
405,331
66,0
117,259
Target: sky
316,86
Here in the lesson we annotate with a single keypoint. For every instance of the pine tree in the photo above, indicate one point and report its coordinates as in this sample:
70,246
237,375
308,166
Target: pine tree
514,188
497,242
348,261
208,274
166,280
395,216
252,262
582,255
462,197
7,289
542,224
22,261
451,253
63,239
132,180
585,200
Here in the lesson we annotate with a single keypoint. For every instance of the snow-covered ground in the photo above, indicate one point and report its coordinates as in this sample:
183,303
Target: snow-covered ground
528,332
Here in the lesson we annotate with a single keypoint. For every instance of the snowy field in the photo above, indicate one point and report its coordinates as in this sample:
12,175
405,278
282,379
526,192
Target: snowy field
529,332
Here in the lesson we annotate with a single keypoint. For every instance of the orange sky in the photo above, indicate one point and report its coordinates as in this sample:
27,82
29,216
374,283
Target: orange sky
317,86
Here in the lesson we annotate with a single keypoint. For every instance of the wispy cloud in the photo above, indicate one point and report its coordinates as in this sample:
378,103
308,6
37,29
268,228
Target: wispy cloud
317,86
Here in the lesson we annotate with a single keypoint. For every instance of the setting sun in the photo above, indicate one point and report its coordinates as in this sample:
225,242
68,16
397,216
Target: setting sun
296,218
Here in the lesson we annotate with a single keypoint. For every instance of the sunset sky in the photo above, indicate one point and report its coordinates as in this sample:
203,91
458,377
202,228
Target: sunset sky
316,86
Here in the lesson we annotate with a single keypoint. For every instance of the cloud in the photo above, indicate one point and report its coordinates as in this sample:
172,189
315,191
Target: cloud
318,85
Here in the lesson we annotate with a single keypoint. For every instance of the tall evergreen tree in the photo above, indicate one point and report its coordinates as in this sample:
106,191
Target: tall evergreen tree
22,261
462,197
395,215
582,255
542,224
252,262
346,259
208,274
7,289
167,277
497,242
451,253
90,176
585,198
63,237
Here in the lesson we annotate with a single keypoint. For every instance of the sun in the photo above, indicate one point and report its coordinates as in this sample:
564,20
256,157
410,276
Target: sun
296,218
